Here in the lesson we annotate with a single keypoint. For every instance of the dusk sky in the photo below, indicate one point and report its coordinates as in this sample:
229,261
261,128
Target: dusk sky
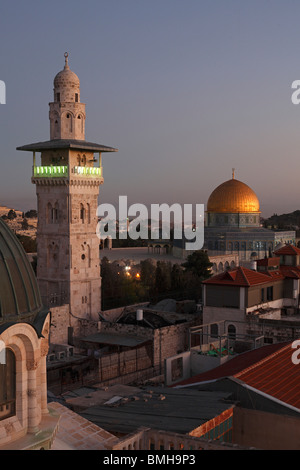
186,90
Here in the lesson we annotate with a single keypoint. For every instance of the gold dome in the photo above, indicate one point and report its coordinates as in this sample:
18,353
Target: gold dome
233,196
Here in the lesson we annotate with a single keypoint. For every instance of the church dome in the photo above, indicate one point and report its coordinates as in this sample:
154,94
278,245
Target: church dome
19,294
233,196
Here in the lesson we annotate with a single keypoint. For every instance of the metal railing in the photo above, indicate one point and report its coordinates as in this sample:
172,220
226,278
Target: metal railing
56,171
87,171
50,171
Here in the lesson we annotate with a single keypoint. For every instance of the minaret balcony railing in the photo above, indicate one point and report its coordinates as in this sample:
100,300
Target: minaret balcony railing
52,171
89,171
55,171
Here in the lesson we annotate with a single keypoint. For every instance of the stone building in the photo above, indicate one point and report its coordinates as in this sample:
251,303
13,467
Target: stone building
24,334
258,302
67,181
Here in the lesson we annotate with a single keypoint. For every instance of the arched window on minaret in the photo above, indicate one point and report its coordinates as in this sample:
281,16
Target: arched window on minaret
83,160
54,215
69,122
49,213
78,160
82,213
88,213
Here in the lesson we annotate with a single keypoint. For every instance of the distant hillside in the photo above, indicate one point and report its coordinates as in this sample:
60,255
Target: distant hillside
289,221
23,224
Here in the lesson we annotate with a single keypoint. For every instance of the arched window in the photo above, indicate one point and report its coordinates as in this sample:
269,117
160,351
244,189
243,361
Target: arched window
8,385
54,216
214,331
231,332
82,213
88,213
49,213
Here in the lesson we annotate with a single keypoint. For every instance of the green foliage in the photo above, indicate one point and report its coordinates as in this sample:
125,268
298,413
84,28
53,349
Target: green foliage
198,264
32,213
29,244
157,282
11,214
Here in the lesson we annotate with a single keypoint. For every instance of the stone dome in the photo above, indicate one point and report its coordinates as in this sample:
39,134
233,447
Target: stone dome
19,294
233,196
66,78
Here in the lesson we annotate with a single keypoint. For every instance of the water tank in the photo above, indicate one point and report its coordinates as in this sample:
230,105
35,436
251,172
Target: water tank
139,315
253,265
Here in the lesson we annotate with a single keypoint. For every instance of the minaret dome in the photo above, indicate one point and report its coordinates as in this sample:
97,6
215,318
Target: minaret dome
67,113
66,84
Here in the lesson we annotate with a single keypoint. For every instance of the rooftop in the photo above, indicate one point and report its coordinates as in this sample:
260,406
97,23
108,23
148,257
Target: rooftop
165,409
234,366
288,250
243,277
275,375
66,144
269,370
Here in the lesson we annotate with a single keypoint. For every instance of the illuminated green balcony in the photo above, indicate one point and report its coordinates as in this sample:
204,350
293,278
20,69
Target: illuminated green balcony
55,171
50,171
88,171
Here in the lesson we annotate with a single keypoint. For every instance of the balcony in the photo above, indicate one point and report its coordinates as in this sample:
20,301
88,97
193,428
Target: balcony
89,171
63,171
50,171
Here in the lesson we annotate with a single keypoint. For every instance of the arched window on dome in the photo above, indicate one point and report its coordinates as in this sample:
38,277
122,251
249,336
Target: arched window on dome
76,97
8,386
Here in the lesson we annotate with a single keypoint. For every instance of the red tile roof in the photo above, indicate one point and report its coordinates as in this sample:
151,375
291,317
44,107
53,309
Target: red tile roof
243,277
268,369
290,271
268,261
235,365
287,250
276,375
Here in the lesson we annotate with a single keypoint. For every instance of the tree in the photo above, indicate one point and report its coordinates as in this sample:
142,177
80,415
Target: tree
31,214
11,214
24,224
162,277
198,264
29,244
147,273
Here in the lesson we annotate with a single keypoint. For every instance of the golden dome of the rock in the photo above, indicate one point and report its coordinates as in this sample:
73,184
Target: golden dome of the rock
233,196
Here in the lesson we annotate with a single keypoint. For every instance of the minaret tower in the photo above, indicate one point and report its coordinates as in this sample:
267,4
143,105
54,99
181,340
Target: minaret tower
67,186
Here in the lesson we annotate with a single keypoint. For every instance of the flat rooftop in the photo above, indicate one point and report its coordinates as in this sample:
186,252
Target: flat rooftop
172,410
